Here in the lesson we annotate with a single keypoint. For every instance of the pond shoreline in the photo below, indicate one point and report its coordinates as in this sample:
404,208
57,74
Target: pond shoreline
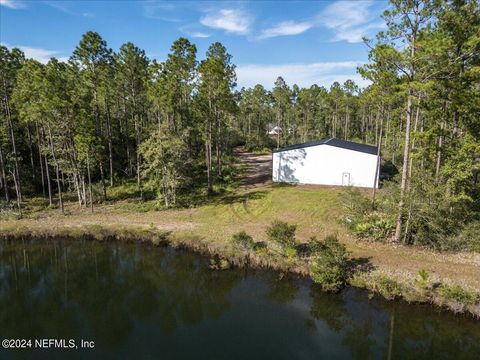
383,285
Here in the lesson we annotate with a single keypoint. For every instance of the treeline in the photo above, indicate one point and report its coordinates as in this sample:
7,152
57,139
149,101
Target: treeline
423,112
425,70
104,117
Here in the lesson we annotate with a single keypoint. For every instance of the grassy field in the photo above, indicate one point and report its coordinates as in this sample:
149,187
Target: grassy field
208,225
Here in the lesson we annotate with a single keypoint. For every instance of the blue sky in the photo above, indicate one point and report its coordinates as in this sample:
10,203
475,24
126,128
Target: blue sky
306,42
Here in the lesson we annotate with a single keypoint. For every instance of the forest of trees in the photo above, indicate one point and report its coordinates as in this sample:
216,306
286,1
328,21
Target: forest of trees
106,117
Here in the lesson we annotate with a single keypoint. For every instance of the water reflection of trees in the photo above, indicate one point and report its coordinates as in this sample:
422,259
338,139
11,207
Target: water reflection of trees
108,291
67,290
373,328
328,307
282,289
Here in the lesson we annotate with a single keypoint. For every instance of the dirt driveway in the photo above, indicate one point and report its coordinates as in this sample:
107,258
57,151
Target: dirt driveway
258,170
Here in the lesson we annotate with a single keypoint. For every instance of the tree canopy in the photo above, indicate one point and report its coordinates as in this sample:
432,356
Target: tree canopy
106,117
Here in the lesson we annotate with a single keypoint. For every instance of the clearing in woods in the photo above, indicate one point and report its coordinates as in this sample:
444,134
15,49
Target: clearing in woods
252,207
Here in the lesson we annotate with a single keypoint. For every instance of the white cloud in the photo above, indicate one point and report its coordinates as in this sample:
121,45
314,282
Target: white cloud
39,54
346,13
63,58
356,34
286,28
13,4
304,75
192,31
198,34
162,11
68,8
349,20
231,20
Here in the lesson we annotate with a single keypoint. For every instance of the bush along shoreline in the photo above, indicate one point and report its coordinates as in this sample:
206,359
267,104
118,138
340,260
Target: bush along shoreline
326,262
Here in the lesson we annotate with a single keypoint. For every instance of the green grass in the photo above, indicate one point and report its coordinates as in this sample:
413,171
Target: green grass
289,203
89,231
316,211
458,294
261,151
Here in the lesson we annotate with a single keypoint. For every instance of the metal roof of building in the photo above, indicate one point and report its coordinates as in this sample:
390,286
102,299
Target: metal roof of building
344,144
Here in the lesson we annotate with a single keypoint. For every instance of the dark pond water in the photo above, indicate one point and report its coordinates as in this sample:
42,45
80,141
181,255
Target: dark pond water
141,302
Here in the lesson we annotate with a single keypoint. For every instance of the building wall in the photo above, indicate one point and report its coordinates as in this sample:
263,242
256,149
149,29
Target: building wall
325,165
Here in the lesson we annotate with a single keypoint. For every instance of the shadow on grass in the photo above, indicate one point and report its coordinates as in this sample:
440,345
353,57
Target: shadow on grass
240,198
199,198
128,191
283,185
359,265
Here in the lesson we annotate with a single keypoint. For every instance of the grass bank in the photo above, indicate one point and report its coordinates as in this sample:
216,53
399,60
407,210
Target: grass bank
207,225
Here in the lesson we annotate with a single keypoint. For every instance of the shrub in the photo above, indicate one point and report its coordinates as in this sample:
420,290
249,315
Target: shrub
260,247
291,253
355,203
468,239
387,287
373,225
424,276
459,294
422,282
243,241
362,219
314,246
305,250
329,264
282,233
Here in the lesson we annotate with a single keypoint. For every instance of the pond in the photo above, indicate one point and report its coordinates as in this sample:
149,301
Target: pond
136,301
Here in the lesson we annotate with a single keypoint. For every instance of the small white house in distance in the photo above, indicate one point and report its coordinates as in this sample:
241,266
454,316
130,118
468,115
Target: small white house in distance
274,130
327,162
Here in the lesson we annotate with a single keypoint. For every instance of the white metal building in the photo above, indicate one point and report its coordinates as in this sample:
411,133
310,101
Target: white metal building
327,162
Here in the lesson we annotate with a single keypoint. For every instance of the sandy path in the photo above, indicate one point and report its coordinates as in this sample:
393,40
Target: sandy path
258,170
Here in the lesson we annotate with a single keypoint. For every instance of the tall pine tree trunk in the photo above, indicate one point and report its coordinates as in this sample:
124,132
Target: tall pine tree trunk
439,147
126,140
89,183
209,158
219,149
410,164
49,184
377,170
15,182
278,130
76,178
40,159
4,176
406,154
57,170
110,145
208,147
410,169
30,145
84,191
137,143
18,185
102,178
345,130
